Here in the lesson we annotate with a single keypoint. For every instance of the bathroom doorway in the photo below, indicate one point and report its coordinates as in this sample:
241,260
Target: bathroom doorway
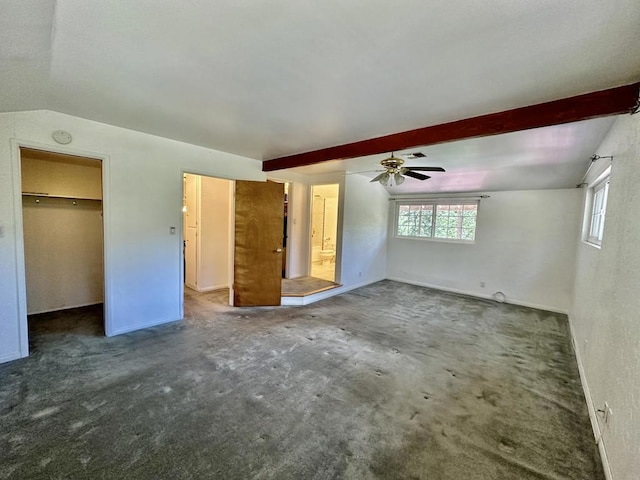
324,231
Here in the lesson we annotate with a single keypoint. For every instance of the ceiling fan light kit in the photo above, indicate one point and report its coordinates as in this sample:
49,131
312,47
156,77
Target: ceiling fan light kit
395,172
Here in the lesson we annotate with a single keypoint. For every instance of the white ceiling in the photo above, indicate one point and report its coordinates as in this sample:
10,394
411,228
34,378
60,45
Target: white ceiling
267,78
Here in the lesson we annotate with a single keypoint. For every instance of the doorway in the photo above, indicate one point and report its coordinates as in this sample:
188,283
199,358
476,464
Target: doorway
324,231
63,234
207,238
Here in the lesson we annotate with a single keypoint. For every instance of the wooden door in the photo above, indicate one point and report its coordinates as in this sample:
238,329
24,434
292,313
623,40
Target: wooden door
258,244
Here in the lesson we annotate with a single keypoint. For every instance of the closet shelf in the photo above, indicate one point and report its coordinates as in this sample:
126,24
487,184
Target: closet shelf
46,195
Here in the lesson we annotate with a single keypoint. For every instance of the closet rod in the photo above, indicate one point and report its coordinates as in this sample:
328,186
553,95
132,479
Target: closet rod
46,195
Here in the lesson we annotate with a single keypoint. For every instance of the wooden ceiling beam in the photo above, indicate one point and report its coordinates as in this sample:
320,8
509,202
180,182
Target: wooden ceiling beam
604,103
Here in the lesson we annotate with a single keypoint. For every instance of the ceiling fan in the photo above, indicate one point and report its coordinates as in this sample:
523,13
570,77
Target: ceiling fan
394,170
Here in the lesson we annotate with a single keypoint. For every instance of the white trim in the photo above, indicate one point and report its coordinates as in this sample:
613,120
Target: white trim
21,286
306,300
510,301
66,307
595,426
8,357
153,323
232,241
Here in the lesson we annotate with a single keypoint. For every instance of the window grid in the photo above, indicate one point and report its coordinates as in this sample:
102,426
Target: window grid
598,209
443,221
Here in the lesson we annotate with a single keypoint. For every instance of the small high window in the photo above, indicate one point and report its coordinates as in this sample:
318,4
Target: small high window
437,220
600,192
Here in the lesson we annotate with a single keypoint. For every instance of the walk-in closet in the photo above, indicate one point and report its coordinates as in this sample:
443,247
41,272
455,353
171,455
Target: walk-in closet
63,239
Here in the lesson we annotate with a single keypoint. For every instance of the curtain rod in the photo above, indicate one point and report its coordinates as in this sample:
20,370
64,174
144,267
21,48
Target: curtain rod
594,159
438,197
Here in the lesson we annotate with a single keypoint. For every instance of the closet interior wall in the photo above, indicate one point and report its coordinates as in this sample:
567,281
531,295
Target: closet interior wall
63,230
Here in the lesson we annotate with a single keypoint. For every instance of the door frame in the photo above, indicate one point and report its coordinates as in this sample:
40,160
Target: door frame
16,164
289,184
232,237
340,216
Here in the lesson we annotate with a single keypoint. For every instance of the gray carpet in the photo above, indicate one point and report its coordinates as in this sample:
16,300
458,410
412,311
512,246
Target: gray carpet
390,381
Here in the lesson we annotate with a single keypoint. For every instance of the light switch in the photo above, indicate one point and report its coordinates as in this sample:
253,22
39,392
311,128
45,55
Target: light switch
172,230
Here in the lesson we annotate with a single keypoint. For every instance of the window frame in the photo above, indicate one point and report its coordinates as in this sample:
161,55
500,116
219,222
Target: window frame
435,203
600,185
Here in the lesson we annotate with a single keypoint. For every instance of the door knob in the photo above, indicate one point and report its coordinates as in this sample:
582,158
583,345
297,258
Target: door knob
278,250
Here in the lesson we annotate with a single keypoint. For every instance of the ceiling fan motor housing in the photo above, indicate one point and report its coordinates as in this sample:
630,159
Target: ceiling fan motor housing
392,164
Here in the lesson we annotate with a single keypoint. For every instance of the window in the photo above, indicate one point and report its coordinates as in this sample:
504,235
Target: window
437,220
598,208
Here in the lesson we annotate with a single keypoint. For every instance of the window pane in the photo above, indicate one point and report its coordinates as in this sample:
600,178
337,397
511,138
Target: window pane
414,220
598,209
455,222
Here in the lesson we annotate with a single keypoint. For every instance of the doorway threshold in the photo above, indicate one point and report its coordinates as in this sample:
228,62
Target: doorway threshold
305,286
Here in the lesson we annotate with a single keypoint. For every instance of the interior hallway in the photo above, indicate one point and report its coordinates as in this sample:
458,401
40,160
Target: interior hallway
389,381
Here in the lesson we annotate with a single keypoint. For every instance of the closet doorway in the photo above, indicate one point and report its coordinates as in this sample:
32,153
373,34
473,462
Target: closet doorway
62,219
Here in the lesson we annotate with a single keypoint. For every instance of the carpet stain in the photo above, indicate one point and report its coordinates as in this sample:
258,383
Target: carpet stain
390,381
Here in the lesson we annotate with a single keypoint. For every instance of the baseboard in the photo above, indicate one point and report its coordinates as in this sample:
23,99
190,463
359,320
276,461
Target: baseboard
479,295
9,357
211,289
69,307
595,426
316,297
140,327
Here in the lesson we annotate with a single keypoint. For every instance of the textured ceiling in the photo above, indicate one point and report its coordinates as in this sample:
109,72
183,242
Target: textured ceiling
266,78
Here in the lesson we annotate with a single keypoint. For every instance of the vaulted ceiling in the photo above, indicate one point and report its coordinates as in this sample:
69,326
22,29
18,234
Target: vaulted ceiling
270,78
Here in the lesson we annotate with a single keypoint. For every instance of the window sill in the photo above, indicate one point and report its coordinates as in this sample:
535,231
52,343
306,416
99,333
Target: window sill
591,244
437,240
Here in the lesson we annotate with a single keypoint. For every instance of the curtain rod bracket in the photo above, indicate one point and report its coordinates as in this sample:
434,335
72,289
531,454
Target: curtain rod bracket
595,158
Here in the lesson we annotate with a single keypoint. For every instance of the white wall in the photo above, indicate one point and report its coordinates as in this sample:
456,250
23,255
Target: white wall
142,199
364,232
606,310
214,228
525,247
297,223
362,237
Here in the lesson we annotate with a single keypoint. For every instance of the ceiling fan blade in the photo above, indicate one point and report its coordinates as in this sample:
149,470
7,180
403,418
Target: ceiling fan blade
426,169
419,176
377,179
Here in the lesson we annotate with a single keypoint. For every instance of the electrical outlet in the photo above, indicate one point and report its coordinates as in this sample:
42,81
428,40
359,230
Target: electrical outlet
482,284
172,230
359,274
